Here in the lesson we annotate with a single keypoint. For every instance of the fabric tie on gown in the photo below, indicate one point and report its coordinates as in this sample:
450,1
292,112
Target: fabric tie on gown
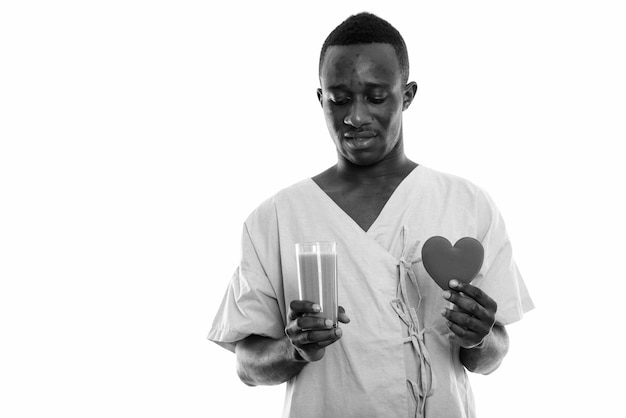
423,386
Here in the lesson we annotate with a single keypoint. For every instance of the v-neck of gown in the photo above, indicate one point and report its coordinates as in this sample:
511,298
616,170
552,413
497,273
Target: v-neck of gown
380,216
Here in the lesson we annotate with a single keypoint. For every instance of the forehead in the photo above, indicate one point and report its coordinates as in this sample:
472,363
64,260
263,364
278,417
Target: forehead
360,64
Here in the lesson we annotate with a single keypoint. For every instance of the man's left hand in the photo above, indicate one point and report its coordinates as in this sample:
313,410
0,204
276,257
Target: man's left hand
472,316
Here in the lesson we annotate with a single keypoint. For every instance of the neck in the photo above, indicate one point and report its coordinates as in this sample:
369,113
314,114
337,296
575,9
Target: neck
394,164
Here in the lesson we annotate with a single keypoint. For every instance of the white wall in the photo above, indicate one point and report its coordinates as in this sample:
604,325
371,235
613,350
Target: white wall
135,137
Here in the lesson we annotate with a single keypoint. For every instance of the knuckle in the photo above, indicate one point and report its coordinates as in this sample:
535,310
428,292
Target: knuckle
475,309
301,322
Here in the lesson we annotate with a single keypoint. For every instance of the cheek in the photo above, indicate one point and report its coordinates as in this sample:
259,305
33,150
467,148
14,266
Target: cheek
334,119
391,118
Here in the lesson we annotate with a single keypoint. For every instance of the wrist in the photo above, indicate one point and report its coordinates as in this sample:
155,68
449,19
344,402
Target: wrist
297,357
481,344
292,352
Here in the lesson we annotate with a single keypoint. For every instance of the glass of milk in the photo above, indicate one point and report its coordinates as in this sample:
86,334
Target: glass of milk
317,276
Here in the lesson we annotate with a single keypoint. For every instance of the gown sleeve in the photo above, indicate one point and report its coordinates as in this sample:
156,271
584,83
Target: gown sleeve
250,305
499,276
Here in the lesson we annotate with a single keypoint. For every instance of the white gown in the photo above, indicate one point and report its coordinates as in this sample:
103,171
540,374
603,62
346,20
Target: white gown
394,358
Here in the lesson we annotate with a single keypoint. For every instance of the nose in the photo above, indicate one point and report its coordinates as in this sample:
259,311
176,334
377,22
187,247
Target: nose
358,114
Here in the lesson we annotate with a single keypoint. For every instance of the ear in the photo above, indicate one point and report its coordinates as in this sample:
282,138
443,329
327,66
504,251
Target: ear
409,94
320,97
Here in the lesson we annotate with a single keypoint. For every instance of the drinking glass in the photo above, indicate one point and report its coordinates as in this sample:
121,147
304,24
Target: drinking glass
317,276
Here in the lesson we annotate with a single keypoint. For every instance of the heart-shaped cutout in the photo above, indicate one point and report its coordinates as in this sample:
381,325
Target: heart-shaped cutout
444,262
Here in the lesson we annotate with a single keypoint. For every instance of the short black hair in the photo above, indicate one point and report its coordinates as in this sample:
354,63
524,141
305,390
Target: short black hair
367,28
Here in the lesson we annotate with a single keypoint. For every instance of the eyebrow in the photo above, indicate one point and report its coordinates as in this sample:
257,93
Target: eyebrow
369,85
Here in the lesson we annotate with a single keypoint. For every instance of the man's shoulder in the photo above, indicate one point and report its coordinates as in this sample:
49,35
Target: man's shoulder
446,182
266,210
450,190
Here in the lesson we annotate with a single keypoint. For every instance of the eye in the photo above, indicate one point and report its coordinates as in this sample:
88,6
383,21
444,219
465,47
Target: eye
339,101
376,100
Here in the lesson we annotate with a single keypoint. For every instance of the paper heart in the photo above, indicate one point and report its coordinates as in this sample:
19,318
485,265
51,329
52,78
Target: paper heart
444,262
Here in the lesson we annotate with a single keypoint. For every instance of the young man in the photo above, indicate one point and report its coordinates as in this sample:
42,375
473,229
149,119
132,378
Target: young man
402,352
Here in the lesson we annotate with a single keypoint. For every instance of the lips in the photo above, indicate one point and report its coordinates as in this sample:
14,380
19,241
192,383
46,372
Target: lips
360,140
359,134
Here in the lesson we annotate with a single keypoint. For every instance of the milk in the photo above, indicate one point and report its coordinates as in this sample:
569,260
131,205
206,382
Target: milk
317,276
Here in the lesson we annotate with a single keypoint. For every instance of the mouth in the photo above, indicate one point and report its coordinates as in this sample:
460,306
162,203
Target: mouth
359,134
360,139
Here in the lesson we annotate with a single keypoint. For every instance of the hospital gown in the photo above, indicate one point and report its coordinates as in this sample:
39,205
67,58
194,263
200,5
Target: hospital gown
395,358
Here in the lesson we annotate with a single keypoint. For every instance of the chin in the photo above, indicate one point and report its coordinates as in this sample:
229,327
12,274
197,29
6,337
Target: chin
363,159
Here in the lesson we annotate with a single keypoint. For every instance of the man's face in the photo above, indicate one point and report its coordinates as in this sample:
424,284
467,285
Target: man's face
363,97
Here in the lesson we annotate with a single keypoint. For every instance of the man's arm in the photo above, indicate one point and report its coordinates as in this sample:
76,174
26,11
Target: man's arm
267,361
472,321
488,356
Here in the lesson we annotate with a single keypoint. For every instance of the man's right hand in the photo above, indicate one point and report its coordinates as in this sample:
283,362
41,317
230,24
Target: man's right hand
310,335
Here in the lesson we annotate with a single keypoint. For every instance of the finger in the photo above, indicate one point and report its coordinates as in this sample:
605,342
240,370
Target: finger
313,322
467,305
338,334
463,336
462,342
312,339
299,307
475,293
305,323
342,316
466,322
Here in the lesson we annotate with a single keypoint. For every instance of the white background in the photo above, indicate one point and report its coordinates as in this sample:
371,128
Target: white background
136,136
